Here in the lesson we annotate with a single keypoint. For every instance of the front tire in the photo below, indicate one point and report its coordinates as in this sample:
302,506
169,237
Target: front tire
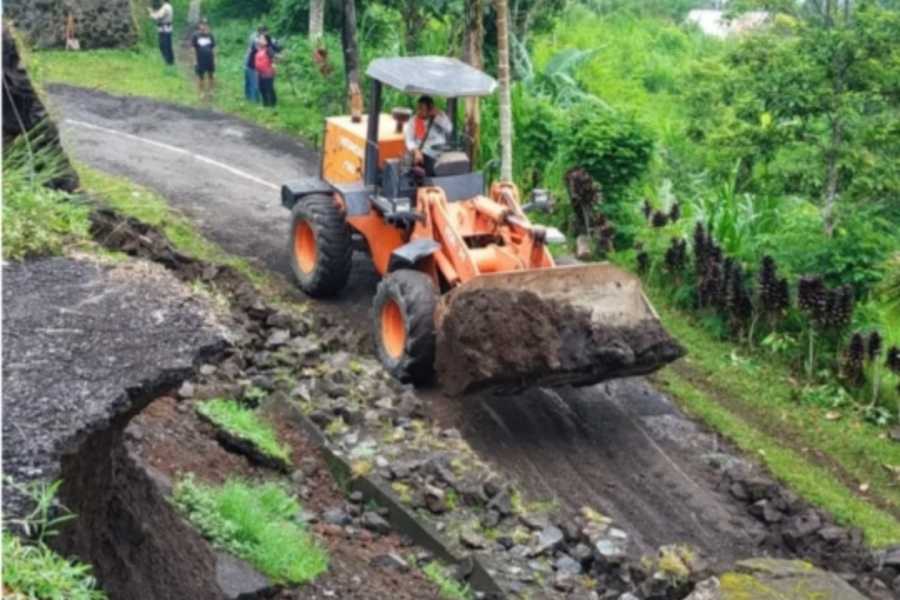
320,246
403,325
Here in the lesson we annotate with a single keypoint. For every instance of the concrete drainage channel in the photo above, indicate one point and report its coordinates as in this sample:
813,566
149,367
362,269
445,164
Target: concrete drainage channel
379,438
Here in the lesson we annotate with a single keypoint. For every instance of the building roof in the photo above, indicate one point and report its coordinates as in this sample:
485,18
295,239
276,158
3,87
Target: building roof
432,75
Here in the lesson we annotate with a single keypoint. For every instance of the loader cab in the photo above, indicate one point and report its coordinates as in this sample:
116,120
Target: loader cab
372,152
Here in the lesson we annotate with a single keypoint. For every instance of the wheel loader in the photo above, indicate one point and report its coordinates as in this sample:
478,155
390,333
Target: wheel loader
467,280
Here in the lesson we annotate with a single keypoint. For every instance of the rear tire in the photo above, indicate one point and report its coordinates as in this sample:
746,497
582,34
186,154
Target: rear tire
403,325
320,246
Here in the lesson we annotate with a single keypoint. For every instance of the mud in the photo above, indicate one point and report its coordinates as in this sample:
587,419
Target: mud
508,339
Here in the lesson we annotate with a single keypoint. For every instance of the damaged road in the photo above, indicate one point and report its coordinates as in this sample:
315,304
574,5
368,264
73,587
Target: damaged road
622,445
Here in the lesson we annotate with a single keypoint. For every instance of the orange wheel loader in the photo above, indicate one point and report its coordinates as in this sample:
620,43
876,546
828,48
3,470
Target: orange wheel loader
429,237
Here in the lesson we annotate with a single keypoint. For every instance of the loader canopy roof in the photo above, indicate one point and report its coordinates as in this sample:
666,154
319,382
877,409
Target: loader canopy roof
432,76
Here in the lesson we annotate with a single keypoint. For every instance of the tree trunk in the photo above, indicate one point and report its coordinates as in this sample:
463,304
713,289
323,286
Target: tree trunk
473,55
415,22
505,101
316,20
832,174
351,59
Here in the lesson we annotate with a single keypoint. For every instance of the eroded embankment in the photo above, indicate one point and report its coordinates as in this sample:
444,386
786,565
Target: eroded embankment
86,347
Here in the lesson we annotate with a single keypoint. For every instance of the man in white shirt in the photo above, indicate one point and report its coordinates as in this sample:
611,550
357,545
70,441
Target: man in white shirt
163,17
428,130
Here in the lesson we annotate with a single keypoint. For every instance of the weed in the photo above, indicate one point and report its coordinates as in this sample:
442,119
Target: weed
35,571
37,220
255,522
245,424
31,569
449,587
47,515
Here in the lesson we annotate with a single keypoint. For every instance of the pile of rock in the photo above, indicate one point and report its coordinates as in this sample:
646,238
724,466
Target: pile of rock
805,531
98,23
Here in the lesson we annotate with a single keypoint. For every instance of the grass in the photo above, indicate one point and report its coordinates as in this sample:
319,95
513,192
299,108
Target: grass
37,221
255,522
753,403
304,96
245,424
35,571
449,588
149,207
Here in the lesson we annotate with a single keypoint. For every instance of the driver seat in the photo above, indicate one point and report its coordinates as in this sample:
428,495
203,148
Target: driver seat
452,163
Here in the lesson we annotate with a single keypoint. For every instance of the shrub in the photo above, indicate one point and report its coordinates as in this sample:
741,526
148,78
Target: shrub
611,146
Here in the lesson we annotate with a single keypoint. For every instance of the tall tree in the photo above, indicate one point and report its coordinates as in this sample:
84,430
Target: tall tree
316,20
351,59
473,54
505,102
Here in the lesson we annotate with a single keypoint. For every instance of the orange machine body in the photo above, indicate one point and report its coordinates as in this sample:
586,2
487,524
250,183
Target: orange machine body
483,234
343,157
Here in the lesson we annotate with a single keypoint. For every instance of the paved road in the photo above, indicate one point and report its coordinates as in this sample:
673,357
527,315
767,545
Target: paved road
620,447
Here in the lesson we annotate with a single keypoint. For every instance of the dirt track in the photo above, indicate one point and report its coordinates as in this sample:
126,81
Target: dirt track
622,447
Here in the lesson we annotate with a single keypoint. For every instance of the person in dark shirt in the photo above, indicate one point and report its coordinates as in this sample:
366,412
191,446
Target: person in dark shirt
205,48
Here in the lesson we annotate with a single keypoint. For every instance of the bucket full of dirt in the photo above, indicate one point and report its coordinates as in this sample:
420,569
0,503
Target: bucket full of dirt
573,325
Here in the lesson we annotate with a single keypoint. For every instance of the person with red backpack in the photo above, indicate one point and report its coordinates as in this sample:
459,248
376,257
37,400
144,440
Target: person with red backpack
264,64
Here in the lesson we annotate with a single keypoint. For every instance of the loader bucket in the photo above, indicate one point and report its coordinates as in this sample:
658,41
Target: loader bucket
573,325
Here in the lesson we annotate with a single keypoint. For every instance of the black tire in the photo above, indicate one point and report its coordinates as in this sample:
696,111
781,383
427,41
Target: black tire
326,273
415,295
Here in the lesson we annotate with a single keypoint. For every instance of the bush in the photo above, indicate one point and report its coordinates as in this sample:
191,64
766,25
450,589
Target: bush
611,146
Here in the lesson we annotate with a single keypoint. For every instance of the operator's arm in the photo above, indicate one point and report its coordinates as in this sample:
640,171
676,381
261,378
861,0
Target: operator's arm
442,124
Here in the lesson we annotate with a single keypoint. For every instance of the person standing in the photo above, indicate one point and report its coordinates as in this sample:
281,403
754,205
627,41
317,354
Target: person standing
204,45
163,17
264,63
251,78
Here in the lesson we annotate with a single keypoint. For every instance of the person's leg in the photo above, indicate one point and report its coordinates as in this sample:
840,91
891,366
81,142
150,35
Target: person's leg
168,53
162,46
211,85
429,165
272,92
248,95
264,87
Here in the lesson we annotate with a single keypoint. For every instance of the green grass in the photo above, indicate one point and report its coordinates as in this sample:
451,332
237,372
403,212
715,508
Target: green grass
256,523
752,401
302,104
35,571
149,207
37,221
137,72
245,424
448,587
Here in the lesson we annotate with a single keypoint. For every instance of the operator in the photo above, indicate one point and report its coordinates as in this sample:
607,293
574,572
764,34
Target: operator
426,133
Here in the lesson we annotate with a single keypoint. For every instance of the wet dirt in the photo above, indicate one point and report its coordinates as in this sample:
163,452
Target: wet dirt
170,438
516,338
621,445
